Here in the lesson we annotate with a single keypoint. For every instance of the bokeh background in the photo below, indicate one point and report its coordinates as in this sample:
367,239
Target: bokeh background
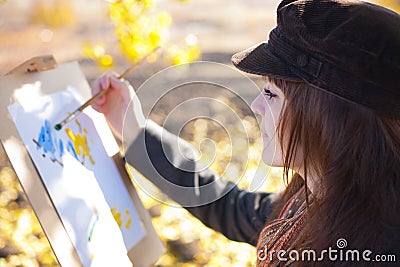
104,35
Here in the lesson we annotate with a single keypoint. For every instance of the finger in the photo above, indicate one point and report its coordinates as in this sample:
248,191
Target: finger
116,83
123,88
102,99
105,80
98,108
95,88
102,83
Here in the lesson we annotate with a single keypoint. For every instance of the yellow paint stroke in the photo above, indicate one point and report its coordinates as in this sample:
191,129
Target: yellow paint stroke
129,220
121,219
79,125
80,143
117,216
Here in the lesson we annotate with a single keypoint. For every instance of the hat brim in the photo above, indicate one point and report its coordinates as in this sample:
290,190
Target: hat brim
259,60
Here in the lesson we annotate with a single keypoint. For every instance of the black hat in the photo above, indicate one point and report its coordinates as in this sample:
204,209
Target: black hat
346,47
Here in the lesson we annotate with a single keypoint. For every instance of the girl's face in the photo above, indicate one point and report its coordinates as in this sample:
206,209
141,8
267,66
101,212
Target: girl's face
269,104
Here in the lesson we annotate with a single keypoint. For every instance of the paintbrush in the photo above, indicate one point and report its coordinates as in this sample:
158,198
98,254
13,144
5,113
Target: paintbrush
71,116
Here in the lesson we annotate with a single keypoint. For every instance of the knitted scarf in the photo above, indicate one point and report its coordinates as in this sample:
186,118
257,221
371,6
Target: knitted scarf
281,233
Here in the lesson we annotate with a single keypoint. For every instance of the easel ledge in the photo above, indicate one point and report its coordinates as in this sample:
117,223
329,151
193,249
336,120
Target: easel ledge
143,254
35,64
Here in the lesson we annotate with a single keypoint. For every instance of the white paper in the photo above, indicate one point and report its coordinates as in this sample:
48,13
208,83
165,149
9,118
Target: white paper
81,178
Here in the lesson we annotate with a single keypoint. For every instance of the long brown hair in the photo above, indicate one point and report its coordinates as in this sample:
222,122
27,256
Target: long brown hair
355,153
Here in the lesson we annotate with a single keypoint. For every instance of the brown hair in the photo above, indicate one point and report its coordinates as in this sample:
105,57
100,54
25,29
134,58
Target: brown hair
356,155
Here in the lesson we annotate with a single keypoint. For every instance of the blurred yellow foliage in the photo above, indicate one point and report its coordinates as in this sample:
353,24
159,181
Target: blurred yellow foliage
178,55
98,53
139,29
22,242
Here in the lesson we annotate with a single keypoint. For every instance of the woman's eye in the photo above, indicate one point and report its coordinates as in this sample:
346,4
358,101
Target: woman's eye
269,93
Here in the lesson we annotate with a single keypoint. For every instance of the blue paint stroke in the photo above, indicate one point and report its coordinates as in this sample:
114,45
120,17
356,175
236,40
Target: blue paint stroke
92,228
45,139
71,149
60,148
50,145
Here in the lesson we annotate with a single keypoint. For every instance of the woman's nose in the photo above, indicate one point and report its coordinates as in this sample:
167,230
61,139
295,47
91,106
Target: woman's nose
258,105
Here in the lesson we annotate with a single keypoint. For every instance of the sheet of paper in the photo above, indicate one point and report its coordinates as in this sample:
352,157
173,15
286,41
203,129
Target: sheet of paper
81,178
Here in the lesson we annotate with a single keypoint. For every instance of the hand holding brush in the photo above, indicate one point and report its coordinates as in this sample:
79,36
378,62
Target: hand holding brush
96,96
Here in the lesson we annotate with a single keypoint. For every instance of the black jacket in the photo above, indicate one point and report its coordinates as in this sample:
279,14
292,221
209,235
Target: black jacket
168,162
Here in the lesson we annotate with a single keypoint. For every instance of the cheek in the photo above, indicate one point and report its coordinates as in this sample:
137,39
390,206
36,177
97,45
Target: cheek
272,152
271,119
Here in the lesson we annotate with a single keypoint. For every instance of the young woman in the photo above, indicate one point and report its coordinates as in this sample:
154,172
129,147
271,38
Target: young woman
331,105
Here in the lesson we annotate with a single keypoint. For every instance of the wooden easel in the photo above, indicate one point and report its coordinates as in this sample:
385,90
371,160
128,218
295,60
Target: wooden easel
145,253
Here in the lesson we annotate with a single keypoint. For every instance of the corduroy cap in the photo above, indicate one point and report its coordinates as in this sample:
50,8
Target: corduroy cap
349,48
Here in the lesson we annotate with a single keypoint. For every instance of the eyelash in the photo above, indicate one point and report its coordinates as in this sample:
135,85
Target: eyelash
269,93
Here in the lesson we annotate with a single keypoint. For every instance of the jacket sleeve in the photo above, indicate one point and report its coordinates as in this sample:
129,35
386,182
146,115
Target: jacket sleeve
169,163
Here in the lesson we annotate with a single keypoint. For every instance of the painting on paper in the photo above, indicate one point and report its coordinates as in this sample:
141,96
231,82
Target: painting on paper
82,180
